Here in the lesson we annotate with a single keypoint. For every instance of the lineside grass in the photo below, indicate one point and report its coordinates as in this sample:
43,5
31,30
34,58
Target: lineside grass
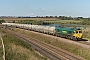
86,33
17,49
1,51
69,47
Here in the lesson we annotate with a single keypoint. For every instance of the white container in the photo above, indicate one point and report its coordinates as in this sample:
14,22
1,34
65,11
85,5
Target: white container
26,26
29,27
41,28
46,29
33,27
51,30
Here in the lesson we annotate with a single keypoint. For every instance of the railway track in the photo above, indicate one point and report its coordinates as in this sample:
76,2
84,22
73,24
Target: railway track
50,51
83,41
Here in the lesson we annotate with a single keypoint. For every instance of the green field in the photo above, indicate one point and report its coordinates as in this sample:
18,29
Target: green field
63,21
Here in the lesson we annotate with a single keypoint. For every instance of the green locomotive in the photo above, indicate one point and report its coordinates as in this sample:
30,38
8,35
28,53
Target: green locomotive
70,33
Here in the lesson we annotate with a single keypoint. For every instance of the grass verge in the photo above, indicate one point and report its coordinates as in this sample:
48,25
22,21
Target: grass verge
86,33
69,47
17,49
1,51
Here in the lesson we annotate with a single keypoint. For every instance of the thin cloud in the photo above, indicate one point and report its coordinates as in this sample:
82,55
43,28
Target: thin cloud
62,9
31,14
46,10
43,9
68,11
50,10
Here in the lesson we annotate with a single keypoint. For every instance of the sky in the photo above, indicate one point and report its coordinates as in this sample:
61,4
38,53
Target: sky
73,8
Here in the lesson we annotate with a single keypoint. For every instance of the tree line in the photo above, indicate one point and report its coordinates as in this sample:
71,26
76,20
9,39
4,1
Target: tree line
34,22
2,21
57,17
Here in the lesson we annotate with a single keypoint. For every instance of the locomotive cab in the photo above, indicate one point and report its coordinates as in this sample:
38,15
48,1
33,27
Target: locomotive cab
78,34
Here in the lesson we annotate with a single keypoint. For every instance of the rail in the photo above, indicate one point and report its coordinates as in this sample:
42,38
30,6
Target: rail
48,50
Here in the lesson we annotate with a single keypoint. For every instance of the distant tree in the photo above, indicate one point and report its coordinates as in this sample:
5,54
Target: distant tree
51,16
89,18
55,16
34,22
80,17
2,21
70,18
47,16
37,16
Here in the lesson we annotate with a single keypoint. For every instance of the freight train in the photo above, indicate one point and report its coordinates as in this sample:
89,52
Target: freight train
65,32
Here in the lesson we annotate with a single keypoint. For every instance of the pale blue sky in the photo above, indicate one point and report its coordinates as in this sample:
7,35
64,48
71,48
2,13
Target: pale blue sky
45,7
